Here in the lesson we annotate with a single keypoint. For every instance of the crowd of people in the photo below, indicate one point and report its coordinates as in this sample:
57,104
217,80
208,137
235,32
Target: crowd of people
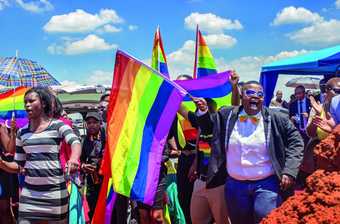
233,164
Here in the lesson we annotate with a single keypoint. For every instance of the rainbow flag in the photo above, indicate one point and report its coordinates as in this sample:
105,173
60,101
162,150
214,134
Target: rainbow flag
12,102
204,147
158,56
142,105
204,61
216,86
106,201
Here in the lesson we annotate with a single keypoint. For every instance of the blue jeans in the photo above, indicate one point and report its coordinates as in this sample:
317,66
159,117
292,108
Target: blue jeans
250,201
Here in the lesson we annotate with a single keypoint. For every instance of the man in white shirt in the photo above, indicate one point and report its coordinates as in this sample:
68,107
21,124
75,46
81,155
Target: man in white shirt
260,150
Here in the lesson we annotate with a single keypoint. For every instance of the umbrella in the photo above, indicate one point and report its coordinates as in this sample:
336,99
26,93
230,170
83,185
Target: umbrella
307,82
16,71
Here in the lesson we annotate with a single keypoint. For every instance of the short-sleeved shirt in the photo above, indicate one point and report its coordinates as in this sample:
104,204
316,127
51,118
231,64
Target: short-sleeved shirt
44,195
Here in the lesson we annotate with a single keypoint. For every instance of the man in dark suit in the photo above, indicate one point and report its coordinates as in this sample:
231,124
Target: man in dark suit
258,149
299,111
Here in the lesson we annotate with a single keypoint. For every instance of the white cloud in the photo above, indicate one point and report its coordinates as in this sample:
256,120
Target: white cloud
249,67
220,41
293,15
133,27
55,49
3,4
100,77
37,6
318,31
323,33
91,43
337,4
182,60
108,28
211,23
96,77
81,21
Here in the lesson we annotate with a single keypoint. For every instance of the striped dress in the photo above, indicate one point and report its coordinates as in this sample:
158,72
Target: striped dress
44,195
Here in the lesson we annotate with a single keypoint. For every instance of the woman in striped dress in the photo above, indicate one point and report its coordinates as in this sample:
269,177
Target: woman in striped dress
44,197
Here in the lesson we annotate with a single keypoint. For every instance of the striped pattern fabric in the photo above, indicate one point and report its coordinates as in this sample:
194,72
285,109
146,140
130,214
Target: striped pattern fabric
23,72
44,195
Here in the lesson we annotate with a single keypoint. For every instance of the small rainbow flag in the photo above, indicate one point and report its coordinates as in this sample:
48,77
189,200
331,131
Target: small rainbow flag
158,56
204,61
142,105
204,147
12,102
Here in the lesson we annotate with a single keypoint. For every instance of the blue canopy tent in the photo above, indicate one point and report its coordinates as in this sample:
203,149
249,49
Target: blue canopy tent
323,62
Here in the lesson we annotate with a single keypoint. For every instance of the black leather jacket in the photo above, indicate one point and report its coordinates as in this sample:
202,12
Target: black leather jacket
284,142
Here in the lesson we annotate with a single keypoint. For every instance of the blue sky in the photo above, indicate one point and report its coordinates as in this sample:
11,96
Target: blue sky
76,39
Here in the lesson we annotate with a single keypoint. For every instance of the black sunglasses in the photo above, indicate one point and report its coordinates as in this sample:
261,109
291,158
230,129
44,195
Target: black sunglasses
335,90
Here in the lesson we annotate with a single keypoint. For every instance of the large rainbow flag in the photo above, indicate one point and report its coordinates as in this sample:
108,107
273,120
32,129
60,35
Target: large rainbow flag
12,103
158,56
142,105
204,61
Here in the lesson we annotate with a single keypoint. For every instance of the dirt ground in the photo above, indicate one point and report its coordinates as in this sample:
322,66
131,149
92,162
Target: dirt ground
319,203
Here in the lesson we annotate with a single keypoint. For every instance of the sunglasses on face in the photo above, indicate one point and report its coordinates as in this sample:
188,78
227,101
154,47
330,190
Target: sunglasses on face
253,93
335,90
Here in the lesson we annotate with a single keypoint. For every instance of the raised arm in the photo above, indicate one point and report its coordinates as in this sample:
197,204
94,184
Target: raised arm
235,95
183,112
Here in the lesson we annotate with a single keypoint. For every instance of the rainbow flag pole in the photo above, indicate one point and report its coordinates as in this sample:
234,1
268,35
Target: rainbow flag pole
195,61
204,60
158,56
207,81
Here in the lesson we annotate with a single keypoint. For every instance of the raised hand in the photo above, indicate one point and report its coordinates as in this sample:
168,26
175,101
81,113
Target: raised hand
325,123
234,78
316,105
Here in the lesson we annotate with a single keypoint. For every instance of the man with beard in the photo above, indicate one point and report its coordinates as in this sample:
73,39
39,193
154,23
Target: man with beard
258,148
